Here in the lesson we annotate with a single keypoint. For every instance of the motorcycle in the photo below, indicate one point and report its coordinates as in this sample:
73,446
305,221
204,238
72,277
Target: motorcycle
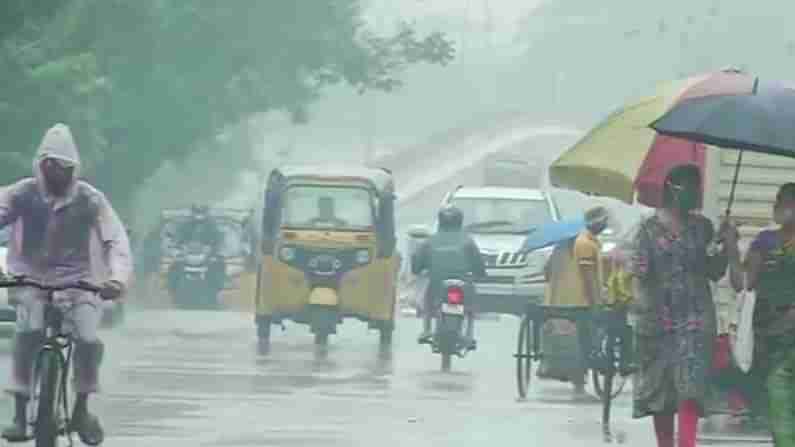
448,339
193,288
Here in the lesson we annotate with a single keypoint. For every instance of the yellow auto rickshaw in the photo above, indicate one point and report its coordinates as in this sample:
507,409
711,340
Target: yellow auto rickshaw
328,250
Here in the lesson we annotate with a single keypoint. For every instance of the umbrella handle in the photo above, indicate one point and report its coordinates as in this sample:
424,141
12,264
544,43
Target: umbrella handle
734,184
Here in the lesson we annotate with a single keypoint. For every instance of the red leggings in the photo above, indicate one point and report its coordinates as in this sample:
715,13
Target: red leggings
688,422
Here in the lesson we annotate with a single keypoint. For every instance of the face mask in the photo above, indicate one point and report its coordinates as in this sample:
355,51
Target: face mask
57,178
598,228
783,216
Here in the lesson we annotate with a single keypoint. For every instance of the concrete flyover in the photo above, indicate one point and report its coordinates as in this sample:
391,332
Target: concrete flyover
423,174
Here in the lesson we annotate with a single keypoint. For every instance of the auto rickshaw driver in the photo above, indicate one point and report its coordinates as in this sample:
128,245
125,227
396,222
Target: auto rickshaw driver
326,214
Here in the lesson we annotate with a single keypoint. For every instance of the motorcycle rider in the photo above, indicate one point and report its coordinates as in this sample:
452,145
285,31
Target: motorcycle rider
449,254
202,228
64,229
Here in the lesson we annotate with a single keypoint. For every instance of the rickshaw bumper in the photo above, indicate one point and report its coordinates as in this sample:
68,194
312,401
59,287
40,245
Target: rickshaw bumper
323,296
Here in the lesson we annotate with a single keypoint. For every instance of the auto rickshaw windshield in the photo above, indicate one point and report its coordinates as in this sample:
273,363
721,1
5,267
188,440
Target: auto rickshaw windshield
324,207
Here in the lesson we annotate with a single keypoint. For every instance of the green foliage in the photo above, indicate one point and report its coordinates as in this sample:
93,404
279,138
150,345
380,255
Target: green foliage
150,81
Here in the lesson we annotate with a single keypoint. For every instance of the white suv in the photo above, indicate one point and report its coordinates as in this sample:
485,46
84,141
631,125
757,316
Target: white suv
499,220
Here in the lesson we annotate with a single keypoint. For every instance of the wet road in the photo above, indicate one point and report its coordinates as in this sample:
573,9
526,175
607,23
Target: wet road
195,379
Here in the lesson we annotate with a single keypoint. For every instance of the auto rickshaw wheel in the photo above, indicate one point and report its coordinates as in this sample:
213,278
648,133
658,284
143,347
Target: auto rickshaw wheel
447,362
263,323
321,339
385,336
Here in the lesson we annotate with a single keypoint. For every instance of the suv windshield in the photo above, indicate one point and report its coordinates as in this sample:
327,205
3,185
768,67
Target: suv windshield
493,215
347,208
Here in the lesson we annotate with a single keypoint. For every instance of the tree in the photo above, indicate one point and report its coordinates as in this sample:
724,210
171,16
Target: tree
147,81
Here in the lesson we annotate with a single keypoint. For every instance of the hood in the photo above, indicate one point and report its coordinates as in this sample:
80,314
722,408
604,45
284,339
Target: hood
492,244
57,143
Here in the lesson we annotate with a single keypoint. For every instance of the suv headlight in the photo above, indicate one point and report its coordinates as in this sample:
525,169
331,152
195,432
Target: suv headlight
536,260
363,256
287,254
535,263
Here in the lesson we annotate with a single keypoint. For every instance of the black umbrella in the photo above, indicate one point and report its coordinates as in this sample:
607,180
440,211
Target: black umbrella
761,121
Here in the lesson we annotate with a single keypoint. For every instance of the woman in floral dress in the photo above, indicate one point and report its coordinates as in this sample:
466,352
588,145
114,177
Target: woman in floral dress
676,322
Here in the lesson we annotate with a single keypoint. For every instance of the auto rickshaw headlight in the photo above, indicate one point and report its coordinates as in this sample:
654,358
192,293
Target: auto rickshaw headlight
363,256
287,253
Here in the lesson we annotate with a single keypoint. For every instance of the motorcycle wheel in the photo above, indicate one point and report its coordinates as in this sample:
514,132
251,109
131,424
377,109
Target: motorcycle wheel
185,294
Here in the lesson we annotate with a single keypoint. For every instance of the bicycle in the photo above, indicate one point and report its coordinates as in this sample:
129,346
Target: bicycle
613,361
49,403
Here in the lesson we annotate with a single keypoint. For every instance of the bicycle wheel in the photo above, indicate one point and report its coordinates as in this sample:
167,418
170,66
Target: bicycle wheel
524,361
599,375
49,380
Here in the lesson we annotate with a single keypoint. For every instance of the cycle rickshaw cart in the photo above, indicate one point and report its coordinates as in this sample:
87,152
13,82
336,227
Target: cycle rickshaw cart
612,349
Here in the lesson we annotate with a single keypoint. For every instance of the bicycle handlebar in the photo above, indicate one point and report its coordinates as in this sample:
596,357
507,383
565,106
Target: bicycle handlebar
21,281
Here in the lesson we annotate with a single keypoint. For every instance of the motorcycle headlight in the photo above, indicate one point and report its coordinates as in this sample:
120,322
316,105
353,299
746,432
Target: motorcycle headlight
363,256
287,253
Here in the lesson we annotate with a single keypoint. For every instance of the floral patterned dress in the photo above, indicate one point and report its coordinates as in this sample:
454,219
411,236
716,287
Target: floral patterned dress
774,330
676,321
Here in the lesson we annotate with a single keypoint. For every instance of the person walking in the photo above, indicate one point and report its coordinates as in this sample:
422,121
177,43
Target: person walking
769,269
672,267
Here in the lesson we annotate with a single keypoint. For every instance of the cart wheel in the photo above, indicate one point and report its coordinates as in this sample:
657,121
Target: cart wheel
524,361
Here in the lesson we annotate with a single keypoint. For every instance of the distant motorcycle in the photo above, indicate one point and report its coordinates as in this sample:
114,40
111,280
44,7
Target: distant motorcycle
448,339
193,277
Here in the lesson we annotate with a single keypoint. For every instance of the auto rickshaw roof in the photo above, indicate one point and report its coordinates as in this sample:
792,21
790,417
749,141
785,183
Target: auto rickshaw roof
380,179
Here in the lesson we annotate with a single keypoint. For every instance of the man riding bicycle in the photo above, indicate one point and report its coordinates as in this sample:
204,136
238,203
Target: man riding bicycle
68,232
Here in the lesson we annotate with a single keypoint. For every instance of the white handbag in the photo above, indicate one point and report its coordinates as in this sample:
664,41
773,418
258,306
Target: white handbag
743,338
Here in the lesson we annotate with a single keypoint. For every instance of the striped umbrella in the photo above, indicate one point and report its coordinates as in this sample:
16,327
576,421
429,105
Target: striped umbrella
622,155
